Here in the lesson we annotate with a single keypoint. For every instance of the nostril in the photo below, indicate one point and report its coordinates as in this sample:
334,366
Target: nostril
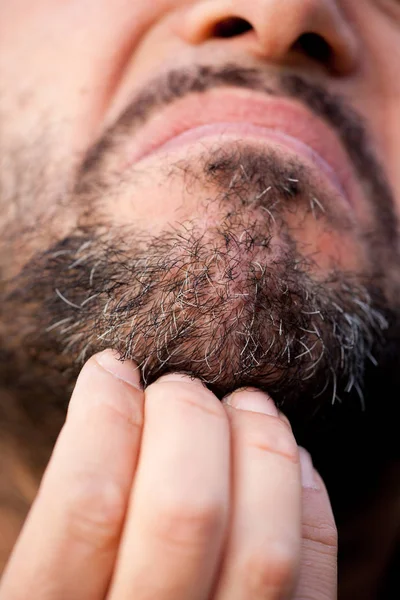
231,27
315,47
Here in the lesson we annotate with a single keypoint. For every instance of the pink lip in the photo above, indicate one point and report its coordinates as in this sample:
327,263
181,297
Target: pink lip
249,114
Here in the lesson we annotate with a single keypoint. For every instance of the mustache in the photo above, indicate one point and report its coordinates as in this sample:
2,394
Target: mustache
349,125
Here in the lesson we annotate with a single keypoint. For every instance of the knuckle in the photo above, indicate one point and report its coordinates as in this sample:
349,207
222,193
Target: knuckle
269,575
188,526
324,534
95,509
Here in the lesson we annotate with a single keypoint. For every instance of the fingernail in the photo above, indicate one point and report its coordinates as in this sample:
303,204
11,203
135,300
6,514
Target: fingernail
182,377
253,400
308,479
126,371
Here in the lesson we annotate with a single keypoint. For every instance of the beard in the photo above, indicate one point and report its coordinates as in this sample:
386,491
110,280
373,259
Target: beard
236,303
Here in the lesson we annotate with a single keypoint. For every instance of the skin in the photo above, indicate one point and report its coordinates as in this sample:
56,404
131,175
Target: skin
83,62
207,534
113,48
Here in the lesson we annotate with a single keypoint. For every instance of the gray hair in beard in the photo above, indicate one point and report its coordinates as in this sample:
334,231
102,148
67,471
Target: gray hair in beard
219,305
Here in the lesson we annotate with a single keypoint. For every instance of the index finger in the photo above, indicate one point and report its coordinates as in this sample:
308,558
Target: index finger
68,545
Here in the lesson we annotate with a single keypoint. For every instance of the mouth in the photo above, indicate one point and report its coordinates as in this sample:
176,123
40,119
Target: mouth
243,115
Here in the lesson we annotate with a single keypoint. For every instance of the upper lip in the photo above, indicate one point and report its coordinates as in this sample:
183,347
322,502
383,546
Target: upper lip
228,105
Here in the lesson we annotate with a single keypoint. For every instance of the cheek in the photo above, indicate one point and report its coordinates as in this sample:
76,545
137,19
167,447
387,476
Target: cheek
70,57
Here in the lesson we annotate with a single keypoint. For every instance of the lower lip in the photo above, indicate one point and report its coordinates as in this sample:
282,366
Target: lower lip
246,130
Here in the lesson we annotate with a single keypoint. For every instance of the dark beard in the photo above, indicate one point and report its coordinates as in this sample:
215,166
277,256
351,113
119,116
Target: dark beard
236,305
305,340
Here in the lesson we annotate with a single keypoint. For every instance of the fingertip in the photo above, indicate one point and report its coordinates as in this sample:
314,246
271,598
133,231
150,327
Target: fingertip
127,370
253,400
180,378
106,387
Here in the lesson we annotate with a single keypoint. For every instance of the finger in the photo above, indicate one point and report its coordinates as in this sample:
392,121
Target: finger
262,555
318,572
68,546
180,500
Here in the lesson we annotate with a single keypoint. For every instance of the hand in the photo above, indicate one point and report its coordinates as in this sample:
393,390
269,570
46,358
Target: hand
170,494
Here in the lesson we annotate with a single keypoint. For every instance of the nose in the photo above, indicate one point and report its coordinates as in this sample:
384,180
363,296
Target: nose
279,31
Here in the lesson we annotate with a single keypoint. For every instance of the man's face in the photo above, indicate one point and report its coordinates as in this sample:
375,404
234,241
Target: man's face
209,186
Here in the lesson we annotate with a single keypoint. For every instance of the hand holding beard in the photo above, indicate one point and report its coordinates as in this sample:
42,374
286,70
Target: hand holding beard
167,493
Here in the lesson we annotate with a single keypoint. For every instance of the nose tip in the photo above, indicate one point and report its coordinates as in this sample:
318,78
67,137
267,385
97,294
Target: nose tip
277,31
